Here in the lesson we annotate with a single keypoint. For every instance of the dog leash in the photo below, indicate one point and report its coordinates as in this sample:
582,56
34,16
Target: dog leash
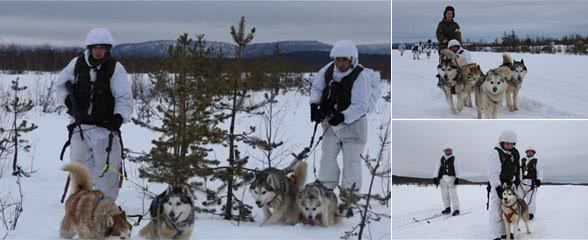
311,148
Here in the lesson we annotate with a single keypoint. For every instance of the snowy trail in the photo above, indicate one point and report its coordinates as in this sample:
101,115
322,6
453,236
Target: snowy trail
555,87
560,213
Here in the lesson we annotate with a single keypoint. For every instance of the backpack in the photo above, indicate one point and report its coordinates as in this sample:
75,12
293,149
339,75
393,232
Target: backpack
375,89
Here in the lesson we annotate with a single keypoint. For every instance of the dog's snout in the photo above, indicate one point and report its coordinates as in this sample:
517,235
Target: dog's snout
494,89
309,217
445,76
519,78
172,214
258,202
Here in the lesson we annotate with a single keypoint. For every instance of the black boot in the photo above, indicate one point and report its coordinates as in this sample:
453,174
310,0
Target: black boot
531,216
511,236
446,211
455,213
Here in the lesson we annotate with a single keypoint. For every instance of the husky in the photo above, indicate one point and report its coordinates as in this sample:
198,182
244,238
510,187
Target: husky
275,192
318,203
514,84
88,213
453,82
513,210
490,91
172,215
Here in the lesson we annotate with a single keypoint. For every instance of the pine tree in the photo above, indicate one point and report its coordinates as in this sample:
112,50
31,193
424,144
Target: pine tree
237,100
183,116
18,107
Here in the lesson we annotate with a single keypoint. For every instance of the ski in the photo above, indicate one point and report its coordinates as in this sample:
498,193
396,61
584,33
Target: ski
461,214
428,218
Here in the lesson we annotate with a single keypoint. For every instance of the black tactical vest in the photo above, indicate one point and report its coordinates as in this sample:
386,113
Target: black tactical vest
337,95
529,168
509,165
447,167
98,93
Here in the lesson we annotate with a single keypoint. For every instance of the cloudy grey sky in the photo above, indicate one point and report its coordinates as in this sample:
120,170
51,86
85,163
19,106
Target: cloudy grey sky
561,146
66,23
417,20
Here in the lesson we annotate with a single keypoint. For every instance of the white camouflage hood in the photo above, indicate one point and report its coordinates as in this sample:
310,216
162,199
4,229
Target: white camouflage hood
345,48
99,36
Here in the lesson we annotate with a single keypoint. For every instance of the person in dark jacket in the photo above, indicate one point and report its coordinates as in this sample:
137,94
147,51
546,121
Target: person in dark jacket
448,29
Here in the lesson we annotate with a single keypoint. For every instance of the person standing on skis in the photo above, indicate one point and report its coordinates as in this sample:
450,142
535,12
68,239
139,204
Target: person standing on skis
446,173
96,91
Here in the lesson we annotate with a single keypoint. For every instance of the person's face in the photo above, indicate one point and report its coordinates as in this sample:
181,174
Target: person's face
448,15
99,51
343,64
454,48
530,153
508,146
447,152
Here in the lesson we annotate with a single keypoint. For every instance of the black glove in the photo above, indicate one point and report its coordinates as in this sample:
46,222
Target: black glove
436,181
115,123
315,113
456,181
336,119
537,183
69,105
499,190
517,182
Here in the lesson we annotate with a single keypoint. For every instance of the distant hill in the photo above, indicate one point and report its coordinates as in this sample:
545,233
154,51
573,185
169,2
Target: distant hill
159,48
402,180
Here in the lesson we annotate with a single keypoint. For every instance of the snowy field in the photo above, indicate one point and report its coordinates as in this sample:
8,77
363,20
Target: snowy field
555,87
43,212
561,213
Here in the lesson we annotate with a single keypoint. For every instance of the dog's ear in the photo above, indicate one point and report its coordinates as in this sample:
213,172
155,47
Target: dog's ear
109,221
522,61
186,190
170,189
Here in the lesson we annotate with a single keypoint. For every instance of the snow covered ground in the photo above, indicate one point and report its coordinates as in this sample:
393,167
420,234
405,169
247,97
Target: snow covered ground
555,87
43,212
561,213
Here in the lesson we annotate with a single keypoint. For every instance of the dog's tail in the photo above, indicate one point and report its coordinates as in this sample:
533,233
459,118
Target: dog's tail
80,177
300,174
506,59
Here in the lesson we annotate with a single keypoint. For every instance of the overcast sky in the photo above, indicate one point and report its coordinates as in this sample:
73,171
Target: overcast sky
561,146
66,23
417,20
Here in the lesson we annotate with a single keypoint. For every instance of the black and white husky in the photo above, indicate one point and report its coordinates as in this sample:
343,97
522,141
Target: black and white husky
172,215
514,209
514,84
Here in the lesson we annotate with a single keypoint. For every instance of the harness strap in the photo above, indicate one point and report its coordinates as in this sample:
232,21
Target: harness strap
509,216
108,150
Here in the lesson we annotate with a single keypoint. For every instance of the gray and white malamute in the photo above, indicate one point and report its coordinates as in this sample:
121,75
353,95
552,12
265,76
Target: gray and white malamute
318,203
514,209
275,191
490,91
172,215
514,84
